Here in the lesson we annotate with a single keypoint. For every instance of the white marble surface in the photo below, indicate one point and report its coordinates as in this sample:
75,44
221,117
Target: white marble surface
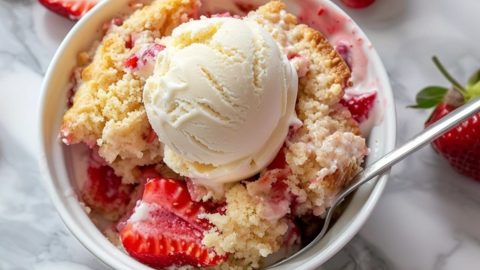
428,217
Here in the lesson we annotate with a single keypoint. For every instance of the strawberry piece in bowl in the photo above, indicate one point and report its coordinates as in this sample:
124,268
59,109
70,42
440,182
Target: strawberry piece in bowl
143,61
360,106
273,193
72,9
104,192
166,228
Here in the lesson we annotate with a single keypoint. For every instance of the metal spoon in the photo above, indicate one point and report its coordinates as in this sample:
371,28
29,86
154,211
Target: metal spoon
383,164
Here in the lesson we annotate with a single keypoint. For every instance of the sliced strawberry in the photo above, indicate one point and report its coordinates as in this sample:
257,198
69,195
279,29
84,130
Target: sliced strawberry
129,42
151,136
175,198
273,193
244,6
72,9
104,192
360,106
131,62
198,192
279,161
165,229
144,57
146,173
152,51
343,49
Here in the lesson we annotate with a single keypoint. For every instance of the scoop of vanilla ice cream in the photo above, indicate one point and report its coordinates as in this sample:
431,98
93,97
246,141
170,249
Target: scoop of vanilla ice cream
221,99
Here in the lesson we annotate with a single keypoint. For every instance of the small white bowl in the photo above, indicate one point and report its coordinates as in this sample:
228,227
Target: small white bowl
59,177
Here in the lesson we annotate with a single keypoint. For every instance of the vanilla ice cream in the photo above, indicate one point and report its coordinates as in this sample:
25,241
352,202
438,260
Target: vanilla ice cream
221,99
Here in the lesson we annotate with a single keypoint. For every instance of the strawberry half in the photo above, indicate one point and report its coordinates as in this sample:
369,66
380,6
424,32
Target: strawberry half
460,145
359,106
104,192
72,9
166,230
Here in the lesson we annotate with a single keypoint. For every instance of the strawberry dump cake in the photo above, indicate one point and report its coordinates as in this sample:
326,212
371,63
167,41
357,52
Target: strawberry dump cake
211,138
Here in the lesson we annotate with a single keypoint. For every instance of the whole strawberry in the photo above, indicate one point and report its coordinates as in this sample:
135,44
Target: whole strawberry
461,145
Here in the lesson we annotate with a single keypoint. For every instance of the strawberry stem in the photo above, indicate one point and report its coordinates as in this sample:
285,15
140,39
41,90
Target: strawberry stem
449,77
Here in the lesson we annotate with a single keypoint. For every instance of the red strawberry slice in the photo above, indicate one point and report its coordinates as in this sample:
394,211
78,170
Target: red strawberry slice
279,161
104,192
72,9
152,51
131,62
273,193
174,197
144,57
151,136
360,106
170,233
343,49
146,173
244,6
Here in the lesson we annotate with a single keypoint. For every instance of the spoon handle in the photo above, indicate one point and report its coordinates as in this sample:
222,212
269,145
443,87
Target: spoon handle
383,164
429,134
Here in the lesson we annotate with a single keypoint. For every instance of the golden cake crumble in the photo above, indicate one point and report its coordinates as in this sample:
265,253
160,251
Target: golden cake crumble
107,107
323,153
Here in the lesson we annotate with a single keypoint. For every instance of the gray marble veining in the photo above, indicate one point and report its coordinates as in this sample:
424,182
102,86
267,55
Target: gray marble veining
428,217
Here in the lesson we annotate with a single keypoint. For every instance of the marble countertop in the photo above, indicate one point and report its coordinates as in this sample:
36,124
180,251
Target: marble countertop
428,217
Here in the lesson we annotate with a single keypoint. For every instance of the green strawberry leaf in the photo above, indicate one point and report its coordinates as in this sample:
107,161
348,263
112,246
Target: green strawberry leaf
474,90
473,85
429,97
474,79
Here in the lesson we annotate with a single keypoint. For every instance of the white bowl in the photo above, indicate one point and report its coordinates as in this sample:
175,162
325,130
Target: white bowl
58,176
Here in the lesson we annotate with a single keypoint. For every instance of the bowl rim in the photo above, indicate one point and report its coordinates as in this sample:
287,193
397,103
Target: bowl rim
78,232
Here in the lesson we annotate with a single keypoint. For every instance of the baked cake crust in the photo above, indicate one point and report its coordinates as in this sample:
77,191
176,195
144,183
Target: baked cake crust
323,154
107,110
